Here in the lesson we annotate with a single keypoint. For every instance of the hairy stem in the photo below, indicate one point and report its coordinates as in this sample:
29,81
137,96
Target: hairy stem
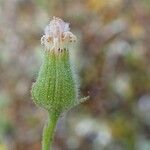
48,132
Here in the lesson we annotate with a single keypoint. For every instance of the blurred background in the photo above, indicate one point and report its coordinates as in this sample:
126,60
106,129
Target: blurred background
112,56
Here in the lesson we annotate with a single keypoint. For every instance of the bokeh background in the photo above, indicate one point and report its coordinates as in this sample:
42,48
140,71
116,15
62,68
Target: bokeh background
112,56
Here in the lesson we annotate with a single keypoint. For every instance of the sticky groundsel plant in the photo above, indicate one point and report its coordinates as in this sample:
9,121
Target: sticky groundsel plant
56,88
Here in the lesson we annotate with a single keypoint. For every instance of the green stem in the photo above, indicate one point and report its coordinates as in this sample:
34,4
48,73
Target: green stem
48,132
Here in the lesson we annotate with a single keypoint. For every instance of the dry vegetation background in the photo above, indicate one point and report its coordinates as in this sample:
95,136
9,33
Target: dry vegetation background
112,57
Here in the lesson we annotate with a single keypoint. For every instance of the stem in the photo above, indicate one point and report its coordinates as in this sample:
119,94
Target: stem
48,132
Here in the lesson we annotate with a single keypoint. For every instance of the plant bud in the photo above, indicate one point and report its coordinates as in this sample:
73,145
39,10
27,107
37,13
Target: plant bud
56,87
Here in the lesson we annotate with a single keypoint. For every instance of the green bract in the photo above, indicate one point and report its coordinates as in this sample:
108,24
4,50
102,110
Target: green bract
55,88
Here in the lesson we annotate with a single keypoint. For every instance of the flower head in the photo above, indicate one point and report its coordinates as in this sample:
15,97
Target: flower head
57,35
